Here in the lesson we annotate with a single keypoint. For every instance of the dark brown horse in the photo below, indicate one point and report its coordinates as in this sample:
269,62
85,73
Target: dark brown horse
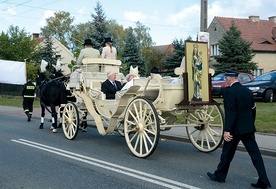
52,93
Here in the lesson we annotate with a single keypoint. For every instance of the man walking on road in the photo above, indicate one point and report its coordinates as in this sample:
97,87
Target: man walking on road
28,92
240,114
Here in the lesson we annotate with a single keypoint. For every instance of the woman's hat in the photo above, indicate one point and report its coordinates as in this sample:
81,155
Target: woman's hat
87,42
108,39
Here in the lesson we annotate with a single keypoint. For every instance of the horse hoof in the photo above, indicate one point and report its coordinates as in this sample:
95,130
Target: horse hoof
41,127
54,130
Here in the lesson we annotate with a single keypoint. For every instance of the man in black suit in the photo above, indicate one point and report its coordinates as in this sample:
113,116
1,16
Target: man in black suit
111,86
240,114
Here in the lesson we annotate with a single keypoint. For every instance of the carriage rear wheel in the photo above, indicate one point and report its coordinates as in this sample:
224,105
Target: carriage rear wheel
70,121
141,127
205,127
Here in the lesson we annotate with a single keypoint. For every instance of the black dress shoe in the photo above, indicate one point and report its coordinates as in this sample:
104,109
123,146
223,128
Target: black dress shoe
213,177
29,118
260,184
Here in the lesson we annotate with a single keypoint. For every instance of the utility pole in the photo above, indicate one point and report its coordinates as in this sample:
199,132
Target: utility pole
203,16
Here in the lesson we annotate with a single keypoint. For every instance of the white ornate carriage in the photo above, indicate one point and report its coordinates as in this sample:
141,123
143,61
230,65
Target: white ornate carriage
141,112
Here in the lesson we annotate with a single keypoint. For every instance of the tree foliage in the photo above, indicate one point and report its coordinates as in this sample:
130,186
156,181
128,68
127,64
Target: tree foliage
99,25
235,52
174,60
80,32
132,54
156,59
16,44
59,26
46,52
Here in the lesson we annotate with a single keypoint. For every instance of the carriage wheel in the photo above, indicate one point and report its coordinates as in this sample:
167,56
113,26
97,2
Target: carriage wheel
207,133
120,128
141,127
70,121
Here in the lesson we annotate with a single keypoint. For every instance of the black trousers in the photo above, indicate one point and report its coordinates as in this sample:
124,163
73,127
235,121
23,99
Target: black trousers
228,152
28,105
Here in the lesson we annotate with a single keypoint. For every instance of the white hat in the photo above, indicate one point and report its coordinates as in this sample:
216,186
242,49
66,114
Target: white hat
134,71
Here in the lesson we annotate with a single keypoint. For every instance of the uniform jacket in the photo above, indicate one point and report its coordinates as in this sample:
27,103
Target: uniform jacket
88,53
28,90
238,104
109,90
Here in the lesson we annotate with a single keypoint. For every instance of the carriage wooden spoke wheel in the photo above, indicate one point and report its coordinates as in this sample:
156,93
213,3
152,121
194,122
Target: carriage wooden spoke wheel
70,121
205,127
141,127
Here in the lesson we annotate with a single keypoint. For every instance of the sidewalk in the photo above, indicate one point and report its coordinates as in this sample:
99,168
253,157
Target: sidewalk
266,142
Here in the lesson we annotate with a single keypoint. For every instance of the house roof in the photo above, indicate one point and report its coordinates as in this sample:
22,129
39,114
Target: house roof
163,48
259,32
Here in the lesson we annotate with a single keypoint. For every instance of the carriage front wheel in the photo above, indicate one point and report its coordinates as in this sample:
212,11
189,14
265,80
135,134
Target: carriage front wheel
141,127
70,121
205,127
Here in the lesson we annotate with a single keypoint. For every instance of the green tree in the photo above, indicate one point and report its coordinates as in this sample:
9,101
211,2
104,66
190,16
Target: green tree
174,60
119,36
80,32
145,42
16,44
45,52
235,52
132,54
154,58
99,26
59,26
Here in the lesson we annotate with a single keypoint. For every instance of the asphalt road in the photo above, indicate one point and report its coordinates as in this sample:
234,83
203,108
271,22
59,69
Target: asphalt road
34,158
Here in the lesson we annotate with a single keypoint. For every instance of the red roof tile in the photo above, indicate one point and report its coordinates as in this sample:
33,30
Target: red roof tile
258,32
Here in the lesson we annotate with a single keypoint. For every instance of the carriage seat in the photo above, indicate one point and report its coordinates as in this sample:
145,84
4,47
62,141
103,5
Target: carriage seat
102,65
96,94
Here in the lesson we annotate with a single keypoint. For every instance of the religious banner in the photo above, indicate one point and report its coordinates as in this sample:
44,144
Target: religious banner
197,67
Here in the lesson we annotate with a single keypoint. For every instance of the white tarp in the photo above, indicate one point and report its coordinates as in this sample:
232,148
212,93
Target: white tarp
13,72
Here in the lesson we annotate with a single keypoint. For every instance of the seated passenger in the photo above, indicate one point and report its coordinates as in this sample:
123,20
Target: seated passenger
111,86
133,73
109,51
88,51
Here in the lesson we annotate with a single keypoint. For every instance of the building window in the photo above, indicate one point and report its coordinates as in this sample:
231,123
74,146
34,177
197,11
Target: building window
215,50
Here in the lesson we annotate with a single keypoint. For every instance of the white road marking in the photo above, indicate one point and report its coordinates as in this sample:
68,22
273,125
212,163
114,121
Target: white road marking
109,166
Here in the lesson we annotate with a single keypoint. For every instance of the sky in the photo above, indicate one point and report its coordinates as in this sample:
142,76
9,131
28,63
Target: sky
167,19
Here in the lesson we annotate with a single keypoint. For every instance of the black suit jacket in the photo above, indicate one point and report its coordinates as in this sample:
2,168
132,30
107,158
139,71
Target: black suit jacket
109,90
238,104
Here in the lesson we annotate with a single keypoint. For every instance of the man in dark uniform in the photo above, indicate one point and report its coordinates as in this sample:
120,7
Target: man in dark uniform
240,114
111,86
28,92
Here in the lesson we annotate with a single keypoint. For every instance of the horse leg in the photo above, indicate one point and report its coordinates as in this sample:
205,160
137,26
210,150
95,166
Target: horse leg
60,117
42,117
54,118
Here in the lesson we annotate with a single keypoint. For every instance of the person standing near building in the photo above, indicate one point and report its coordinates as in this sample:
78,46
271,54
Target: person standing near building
109,51
28,93
88,51
240,112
